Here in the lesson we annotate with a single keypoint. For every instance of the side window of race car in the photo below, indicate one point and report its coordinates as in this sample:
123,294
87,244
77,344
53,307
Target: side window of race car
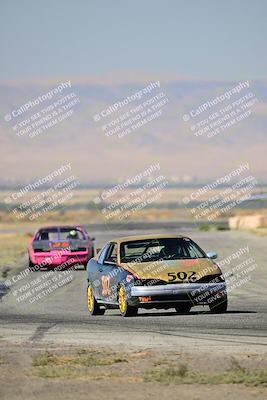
102,254
112,252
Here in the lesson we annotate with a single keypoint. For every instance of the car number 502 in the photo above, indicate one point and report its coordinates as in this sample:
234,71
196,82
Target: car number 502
182,276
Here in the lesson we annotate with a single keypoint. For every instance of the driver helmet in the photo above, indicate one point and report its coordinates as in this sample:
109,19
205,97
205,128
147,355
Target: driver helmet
73,233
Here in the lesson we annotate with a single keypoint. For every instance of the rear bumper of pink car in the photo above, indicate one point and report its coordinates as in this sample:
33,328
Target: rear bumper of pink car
53,258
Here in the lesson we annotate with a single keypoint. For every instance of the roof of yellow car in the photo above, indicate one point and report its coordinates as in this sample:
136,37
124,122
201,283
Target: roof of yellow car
141,237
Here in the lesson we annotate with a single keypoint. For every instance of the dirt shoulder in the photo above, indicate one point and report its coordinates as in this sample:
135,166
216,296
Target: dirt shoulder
46,371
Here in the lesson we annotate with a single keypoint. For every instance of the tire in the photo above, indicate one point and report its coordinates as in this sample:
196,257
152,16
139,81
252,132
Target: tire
183,308
31,266
125,309
93,306
219,306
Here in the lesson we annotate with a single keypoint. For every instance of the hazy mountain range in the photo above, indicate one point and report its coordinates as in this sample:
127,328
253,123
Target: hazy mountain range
167,140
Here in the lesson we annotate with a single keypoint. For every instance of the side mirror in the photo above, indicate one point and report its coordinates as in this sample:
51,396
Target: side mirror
212,255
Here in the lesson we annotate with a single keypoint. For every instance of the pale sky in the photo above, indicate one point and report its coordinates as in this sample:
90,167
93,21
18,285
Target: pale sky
210,39
197,49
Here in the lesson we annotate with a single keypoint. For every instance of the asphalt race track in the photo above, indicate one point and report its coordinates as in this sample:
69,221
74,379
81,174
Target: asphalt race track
61,317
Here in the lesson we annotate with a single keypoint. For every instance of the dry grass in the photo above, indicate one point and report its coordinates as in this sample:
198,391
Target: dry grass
260,231
81,208
181,375
13,249
97,365
84,216
80,364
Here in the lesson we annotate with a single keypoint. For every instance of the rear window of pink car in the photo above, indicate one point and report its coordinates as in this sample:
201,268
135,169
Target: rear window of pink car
62,234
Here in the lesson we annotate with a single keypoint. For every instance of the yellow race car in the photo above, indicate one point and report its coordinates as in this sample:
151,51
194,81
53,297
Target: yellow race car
154,271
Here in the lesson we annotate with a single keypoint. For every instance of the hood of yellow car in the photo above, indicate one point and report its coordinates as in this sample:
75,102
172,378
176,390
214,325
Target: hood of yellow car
179,271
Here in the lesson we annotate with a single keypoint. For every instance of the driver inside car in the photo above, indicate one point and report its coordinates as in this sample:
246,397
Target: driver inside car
73,234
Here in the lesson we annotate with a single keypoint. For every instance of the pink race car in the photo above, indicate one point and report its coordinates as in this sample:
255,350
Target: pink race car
60,247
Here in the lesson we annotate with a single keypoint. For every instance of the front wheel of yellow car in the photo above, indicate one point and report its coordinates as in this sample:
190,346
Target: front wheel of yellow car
183,308
93,306
125,309
219,306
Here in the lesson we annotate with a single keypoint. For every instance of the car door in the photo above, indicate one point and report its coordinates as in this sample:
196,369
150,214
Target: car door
96,270
110,274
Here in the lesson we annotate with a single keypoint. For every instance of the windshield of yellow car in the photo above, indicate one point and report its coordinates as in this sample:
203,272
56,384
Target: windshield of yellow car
160,249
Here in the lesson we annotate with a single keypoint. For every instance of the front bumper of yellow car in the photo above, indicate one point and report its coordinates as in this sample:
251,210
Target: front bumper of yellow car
195,293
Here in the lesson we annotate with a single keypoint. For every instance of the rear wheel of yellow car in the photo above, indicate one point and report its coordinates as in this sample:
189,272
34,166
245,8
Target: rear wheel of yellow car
93,306
125,309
